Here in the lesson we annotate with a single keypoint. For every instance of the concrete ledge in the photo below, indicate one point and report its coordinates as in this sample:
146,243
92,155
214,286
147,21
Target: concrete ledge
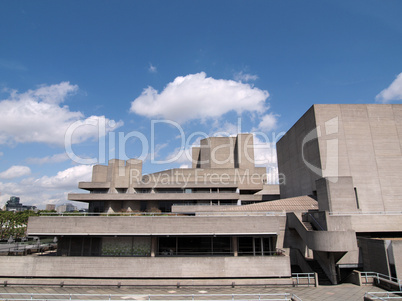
153,225
145,267
144,282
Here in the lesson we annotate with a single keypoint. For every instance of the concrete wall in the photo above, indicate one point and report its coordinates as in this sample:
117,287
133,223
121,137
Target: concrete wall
157,225
336,194
359,141
145,267
225,152
376,222
374,254
244,151
292,154
397,254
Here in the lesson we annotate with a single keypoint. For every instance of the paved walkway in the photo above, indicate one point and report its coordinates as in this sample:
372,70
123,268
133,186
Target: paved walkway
348,292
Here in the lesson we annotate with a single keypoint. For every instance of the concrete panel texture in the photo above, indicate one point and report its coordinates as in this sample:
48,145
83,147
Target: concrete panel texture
145,267
397,254
146,225
361,141
374,253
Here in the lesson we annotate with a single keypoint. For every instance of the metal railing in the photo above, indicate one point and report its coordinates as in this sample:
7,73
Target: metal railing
204,204
161,214
26,248
366,213
383,295
302,278
316,222
115,297
168,253
379,276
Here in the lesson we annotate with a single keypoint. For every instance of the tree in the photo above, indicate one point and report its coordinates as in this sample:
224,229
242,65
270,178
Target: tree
14,223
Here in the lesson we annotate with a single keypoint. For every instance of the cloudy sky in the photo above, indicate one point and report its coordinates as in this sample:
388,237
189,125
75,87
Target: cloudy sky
82,82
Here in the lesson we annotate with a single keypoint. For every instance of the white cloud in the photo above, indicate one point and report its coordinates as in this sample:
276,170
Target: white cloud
265,156
38,116
15,171
244,77
180,155
49,159
268,123
152,69
392,93
196,96
46,190
68,178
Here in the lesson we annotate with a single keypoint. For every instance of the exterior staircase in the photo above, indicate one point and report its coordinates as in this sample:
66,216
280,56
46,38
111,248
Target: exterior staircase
308,226
322,277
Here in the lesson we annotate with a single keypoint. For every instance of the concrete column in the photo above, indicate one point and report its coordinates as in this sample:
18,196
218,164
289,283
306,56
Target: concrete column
109,207
154,244
131,205
235,246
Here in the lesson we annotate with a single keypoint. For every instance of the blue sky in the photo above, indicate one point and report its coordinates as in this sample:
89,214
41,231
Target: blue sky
208,67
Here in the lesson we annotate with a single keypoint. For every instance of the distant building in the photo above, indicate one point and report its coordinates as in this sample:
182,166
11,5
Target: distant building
67,207
14,205
50,207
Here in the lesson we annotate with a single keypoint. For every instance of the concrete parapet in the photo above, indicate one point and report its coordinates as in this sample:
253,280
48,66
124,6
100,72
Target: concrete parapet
146,267
154,225
326,241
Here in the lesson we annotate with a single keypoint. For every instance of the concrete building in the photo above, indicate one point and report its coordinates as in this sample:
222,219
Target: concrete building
50,207
348,157
14,205
67,207
127,238
223,173
339,209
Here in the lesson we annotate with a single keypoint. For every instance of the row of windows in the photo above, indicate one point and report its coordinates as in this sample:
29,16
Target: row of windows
172,190
167,246
163,206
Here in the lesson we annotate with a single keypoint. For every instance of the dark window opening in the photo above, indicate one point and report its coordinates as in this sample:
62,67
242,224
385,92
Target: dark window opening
246,191
256,246
194,246
357,198
78,246
143,206
165,206
97,206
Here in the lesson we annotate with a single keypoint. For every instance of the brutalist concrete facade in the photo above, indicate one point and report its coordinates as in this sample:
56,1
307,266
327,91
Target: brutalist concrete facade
350,158
223,173
356,148
133,234
346,158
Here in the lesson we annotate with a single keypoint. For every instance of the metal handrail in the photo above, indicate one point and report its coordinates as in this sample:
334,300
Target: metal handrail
203,204
308,276
113,297
322,229
277,252
384,295
159,214
366,213
380,276
23,247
